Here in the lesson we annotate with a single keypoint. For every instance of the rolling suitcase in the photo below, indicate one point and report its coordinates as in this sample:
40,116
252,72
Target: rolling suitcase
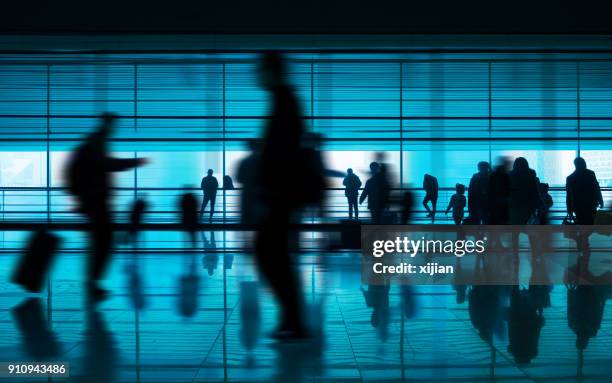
36,261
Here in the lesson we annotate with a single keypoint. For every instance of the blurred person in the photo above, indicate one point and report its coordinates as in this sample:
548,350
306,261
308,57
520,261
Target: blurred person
478,194
498,193
430,185
228,183
209,186
583,193
290,176
407,205
89,181
524,195
457,203
374,192
250,205
352,183
546,203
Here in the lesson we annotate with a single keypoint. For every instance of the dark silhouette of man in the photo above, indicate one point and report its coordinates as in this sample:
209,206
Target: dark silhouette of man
352,183
499,194
89,181
430,185
478,194
373,192
524,194
583,193
209,186
282,152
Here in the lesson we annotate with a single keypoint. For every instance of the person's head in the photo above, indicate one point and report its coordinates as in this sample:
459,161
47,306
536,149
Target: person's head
349,171
374,166
503,164
543,187
108,121
209,172
520,164
460,188
483,167
271,70
580,163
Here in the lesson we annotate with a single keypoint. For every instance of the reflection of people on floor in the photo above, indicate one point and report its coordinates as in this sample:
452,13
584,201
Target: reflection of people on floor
101,352
586,299
38,341
525,322
132,267
211,257
189,282
250,314
377,298
484,303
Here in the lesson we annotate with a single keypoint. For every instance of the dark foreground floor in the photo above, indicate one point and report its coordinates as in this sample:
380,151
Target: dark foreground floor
421,335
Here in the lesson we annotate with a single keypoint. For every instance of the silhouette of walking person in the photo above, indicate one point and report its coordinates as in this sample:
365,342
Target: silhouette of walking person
524,194
499,194
283,151
478,194
352,183
209,186
430,185
457,203
583,193
89,181
372,191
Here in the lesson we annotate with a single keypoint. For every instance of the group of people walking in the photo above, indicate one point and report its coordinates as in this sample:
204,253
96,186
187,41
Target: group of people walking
511,193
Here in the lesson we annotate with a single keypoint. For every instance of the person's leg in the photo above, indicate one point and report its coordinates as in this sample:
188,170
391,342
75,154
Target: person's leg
457,219
101,244
212,206
350,206
272,254
585,217
205,200
434,203
425,201
356,206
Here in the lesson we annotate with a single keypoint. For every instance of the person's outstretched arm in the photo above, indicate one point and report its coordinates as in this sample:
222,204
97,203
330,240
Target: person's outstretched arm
450,205
121,164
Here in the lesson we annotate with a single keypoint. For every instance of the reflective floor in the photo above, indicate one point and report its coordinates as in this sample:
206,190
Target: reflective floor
184,316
